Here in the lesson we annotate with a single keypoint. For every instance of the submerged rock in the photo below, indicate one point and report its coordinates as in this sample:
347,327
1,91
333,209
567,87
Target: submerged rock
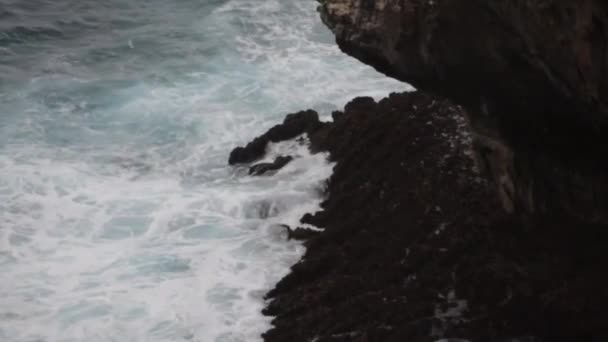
277,164
416,247
533,76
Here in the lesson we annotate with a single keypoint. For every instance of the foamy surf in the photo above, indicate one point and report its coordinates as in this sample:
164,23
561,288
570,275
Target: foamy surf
119,218
149,258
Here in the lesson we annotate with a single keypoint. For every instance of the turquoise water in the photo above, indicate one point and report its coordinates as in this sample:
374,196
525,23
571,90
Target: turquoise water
119,218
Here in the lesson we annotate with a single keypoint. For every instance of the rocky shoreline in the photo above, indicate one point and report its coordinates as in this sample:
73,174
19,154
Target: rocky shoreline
476,208
416,245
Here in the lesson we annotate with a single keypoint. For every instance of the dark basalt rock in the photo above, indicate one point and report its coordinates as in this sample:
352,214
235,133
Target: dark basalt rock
416,246
533,76
263,168
294,124
411,231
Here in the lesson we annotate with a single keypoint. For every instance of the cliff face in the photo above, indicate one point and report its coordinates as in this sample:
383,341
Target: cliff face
532,75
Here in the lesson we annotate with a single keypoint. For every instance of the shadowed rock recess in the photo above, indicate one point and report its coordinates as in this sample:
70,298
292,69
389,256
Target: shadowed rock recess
473,209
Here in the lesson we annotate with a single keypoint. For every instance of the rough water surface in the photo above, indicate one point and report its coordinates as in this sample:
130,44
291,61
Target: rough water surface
119,218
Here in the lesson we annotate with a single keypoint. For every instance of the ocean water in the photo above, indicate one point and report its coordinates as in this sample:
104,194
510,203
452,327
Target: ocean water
119,217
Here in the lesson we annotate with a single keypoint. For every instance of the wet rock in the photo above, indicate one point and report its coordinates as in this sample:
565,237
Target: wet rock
263,168
360,104
335,115
307,219
294,124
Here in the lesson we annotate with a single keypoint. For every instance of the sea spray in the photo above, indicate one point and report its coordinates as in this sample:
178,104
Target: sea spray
119,217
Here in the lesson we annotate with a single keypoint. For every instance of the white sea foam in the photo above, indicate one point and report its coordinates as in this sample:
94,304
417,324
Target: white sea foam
119,218
150,258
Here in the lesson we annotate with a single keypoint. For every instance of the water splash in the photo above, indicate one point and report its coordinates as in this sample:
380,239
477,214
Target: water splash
119,219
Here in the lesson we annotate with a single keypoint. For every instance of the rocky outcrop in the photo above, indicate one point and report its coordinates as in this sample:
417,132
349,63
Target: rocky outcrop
416,247
532,74
293,125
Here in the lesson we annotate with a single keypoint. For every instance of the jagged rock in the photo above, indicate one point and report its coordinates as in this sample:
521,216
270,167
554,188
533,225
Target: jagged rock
277,164
410,232
531,74
294,124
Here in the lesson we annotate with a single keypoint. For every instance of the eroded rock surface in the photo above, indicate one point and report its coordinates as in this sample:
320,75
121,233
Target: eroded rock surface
532,75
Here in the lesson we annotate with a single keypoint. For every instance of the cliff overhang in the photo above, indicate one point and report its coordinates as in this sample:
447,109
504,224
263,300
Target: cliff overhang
531,74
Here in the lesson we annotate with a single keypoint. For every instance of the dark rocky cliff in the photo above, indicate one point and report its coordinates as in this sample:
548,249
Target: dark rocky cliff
532,75
416,246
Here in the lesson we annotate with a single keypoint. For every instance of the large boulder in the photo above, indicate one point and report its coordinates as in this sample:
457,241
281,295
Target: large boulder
532,75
